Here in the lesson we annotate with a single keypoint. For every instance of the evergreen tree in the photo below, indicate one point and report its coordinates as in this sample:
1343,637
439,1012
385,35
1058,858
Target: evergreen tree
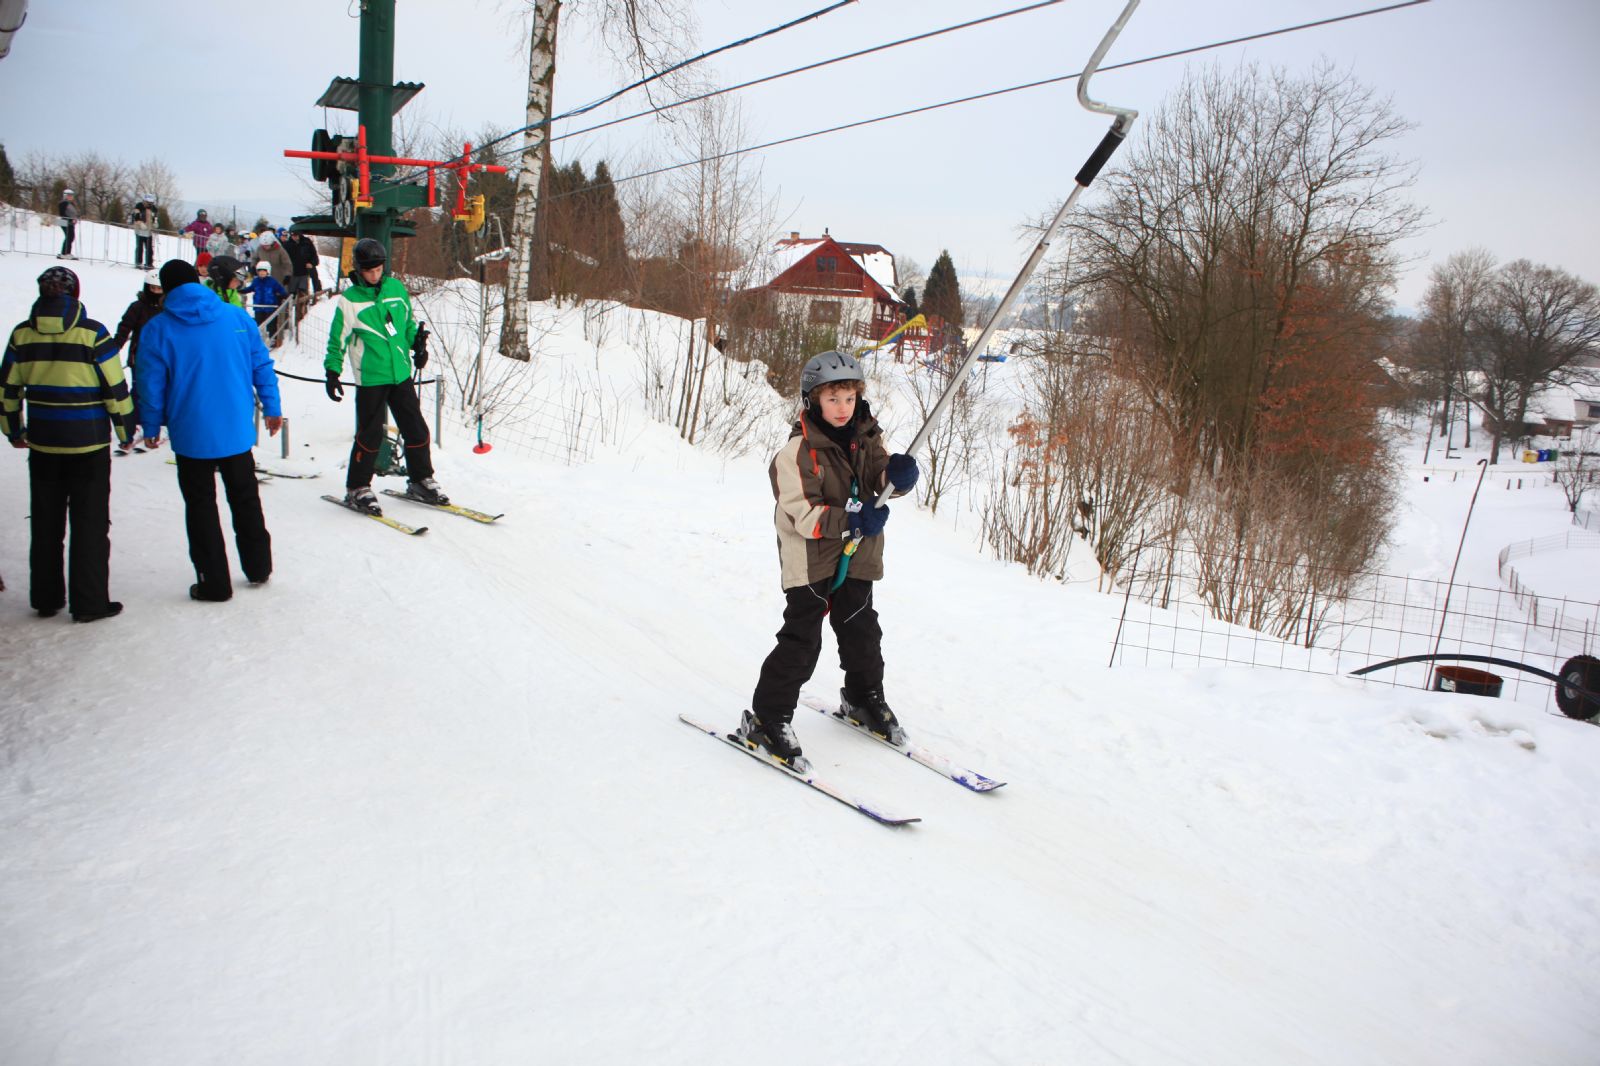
941,295
8,178
909,298
610,240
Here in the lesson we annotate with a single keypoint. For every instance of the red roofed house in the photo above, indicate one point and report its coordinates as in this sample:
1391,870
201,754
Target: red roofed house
835,283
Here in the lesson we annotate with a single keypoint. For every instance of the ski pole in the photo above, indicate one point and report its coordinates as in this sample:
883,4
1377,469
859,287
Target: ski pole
1113,139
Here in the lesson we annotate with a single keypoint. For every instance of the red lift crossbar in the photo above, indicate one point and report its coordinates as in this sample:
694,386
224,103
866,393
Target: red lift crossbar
462,167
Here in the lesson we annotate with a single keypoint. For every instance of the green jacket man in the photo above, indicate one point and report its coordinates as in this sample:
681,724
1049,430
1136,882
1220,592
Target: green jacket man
375,330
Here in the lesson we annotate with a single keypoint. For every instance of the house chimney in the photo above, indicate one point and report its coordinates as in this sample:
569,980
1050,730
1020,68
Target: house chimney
794,235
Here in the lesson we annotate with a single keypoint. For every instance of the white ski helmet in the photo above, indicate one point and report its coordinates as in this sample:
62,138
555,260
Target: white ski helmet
264,265
828,367
152,279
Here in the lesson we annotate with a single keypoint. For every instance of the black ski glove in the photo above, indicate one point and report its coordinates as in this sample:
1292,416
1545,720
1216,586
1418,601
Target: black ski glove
335,390
419,346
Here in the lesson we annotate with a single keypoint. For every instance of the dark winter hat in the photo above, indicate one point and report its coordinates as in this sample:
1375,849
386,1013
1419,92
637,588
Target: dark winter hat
58,281
369,253
175,272
223,269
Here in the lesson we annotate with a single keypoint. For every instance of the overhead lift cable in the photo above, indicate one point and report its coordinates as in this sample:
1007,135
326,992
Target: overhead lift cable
1001,92
810,66
575,112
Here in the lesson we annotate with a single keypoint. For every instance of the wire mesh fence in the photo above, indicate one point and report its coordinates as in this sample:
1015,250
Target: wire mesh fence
1173,616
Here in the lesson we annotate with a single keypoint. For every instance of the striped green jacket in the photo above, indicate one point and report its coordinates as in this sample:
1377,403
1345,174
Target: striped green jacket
65,365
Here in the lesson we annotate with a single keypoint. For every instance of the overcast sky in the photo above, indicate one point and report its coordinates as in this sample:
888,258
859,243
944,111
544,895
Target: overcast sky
1505,97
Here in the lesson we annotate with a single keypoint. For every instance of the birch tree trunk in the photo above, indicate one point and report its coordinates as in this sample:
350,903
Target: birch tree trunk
535,146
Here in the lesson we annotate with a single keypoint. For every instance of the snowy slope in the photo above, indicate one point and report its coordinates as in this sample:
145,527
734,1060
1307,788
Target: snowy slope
425,800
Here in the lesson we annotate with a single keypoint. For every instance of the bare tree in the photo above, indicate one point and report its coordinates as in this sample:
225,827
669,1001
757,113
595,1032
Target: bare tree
1536,327
955,441
153,178
649,33
723,220
1457,290
535,157
1257,218
1577,469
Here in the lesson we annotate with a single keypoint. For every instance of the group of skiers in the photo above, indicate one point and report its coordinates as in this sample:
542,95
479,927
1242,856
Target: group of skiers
201,377
284,263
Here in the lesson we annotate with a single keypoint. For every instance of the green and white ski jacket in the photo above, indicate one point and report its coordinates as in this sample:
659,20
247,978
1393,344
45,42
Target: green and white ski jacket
374,328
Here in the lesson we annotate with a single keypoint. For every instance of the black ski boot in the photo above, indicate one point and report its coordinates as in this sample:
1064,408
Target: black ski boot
871,712
362,499
427,490
779,742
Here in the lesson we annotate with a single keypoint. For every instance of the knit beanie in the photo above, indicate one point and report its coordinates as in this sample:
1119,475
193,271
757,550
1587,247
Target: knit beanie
175,272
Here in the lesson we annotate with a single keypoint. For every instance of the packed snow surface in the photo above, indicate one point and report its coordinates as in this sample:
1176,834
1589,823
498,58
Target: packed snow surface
427,800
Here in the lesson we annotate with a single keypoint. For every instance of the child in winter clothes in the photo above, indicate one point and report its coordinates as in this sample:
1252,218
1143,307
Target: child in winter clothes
223,278
145,306
826,479
268,295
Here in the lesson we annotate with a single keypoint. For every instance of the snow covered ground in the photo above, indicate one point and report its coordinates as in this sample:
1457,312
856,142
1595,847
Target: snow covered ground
426,800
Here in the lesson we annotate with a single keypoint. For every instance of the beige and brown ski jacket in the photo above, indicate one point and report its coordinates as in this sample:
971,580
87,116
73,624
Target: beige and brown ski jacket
811,480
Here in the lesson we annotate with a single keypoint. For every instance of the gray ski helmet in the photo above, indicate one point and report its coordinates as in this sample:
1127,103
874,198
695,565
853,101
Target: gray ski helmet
58,281
368,253
828,367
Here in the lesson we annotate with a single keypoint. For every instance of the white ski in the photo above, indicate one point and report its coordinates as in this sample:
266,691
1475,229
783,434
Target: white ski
940,765
808,777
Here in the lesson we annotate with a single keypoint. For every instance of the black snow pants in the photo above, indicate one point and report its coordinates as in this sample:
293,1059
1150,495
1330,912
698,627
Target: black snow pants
372,401
791,662
75,490
197,480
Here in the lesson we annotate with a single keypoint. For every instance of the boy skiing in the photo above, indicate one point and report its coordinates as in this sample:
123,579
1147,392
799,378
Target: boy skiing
825,480
373,325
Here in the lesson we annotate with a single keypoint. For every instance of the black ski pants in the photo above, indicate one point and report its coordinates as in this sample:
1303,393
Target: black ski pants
144,254
70,490
69,233
791,662
197,480
372,401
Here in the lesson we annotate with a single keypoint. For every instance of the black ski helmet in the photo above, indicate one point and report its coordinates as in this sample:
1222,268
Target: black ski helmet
368,253
58,281
223,269
828,367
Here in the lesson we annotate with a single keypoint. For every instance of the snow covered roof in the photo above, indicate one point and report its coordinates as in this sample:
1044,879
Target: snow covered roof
876,260
880,265
789,252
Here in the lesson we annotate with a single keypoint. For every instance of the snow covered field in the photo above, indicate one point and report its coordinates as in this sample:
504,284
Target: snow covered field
426,800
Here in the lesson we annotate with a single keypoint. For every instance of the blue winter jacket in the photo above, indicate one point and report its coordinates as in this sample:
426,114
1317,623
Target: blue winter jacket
268,293
202,365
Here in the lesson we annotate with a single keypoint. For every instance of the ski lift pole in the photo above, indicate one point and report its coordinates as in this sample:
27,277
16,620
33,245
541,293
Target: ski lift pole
1113,139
